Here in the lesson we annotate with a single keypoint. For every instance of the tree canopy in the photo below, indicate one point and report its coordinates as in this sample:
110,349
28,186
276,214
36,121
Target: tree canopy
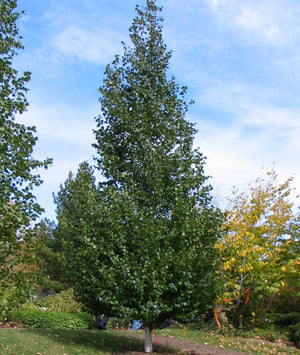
18,175
259,249
156,227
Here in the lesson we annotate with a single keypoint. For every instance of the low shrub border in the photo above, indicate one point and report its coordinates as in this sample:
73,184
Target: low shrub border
34,318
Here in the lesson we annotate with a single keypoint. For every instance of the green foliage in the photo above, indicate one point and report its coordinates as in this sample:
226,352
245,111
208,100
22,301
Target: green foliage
63,302
142,245
11,298
49,258
18,207
288,299
285,320
81,222
36,318
295,334
289,323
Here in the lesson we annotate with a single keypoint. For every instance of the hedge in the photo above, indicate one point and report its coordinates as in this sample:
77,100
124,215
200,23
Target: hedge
34,318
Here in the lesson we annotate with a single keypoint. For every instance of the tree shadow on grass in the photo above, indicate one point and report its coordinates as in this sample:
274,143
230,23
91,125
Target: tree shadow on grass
93,342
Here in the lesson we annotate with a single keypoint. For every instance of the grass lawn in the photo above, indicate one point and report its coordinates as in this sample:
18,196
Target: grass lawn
60,342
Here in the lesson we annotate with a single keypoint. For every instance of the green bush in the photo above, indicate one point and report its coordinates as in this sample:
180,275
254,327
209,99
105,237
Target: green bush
64,302
34,318
295,334
285,320
12,297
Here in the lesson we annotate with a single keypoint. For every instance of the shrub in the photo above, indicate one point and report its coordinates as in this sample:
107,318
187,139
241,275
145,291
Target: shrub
34,318
286,319
290,322
64,302
295,334
11,298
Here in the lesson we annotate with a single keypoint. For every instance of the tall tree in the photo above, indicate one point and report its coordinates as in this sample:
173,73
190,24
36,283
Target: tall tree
142,245
259,249
18,206
160,260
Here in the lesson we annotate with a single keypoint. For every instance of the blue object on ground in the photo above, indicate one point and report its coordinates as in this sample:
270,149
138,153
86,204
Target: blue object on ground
136,325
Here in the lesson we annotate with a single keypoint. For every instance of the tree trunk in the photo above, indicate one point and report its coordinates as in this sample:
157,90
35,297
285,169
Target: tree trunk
148,340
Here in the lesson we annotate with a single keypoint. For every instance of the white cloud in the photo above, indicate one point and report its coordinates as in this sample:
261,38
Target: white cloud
93,46
256,134
67,124
64,134
266,21
256,21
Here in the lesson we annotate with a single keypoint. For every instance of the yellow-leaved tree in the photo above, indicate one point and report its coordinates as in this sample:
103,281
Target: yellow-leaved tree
258,248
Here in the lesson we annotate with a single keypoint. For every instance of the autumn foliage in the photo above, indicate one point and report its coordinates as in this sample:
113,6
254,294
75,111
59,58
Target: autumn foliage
259,248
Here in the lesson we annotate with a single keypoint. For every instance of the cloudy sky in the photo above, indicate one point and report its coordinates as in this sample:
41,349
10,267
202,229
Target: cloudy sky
239,58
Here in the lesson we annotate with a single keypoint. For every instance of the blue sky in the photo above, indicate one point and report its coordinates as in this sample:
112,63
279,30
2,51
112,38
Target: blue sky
240,60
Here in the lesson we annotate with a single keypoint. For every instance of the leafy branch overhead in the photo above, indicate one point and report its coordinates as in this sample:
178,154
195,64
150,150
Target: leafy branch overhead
18,177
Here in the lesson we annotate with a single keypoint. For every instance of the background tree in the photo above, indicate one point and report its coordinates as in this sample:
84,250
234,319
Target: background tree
18,206
150,255
78,232
259,249
49,258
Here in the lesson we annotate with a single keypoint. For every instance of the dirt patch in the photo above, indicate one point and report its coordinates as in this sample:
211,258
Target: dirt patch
187,347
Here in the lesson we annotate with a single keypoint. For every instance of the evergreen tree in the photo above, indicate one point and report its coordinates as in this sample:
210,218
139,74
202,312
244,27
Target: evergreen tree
18,207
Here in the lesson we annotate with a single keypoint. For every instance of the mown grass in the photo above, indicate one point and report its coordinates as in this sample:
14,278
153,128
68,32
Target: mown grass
60,342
